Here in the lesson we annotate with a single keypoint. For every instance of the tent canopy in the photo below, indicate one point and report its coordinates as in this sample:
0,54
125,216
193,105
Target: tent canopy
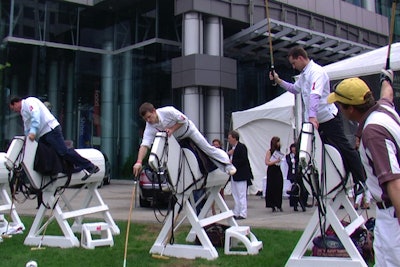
256,127
365,64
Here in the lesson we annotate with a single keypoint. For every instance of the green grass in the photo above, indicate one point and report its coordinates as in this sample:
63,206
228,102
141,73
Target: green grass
278,245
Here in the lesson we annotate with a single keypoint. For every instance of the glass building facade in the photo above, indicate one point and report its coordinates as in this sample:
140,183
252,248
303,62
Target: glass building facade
97,61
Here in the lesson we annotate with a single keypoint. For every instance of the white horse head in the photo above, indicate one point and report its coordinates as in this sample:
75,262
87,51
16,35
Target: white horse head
320,164
181,165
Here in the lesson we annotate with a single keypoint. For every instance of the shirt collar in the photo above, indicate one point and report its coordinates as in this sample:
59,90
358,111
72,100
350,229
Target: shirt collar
364,118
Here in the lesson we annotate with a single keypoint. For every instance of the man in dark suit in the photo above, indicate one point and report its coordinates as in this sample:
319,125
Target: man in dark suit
243,176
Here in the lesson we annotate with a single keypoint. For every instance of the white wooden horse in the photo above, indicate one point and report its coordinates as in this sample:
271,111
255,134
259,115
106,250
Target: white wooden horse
7,205
184,176
22,153
325,179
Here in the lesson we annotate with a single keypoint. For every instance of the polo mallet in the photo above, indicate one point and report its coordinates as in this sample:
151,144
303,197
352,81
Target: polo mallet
129,221
271,53
46,224
391,30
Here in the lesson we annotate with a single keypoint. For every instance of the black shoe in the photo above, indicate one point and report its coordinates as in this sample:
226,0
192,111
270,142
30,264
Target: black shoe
273,209
304,209
295,209
280,209
91,171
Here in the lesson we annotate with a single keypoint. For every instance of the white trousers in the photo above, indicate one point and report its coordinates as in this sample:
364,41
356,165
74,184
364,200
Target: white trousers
217,155
386,238
239,194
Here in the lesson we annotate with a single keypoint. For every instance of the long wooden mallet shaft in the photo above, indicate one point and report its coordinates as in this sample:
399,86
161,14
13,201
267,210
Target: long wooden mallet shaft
271,53
269,34
391,30
129,223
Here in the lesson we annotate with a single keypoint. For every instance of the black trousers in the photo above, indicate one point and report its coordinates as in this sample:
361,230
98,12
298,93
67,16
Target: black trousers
332,133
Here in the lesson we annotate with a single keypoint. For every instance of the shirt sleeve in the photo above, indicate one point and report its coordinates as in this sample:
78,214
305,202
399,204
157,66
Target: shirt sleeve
179,117
382,153
290,87
314,103
148,135
33,114
317,84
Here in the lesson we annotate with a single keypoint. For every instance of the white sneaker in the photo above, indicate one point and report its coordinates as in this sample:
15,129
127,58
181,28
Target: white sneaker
230,169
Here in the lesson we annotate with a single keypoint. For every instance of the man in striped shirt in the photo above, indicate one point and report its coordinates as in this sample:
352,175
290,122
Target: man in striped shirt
379,133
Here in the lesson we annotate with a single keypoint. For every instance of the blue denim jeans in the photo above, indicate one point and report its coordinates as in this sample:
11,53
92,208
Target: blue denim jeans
55,139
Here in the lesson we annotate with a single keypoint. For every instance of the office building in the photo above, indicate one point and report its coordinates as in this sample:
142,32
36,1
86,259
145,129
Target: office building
96,61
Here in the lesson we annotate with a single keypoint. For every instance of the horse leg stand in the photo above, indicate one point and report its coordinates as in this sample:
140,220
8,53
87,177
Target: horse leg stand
68,239
162,244
206,249
297,258
6,204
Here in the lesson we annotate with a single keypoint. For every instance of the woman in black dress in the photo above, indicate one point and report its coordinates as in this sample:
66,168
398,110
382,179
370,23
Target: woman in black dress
273,197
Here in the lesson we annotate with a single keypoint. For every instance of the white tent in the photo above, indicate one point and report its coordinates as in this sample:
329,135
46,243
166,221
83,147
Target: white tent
365,64
256,127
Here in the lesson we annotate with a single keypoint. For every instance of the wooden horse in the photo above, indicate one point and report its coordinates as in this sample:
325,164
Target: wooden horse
325,179
22,153
185,176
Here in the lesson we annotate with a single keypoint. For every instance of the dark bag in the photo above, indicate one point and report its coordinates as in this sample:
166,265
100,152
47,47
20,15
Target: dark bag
330,246
216,234
47,162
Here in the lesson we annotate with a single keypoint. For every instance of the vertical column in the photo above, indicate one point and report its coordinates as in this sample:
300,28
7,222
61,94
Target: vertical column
69,112
14,125
192,99
214,113
369,5
53,87
107,97
126,102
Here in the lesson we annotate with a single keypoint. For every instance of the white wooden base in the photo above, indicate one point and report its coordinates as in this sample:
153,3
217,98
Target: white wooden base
68,238
297,258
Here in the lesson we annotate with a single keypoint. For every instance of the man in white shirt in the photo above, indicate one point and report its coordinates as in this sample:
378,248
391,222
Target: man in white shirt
174,122
313,84
41,125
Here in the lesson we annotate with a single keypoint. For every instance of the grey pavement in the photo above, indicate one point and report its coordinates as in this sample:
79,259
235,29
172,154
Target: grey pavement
117,195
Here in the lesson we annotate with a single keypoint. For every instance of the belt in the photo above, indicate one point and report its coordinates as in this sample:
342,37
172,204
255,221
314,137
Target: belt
187,129
384,204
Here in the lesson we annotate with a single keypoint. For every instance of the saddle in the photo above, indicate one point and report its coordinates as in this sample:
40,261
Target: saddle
205,164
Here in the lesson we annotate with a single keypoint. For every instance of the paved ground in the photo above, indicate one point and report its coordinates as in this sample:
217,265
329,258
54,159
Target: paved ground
118,195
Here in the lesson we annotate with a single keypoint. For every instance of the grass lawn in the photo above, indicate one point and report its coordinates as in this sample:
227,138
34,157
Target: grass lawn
278,245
